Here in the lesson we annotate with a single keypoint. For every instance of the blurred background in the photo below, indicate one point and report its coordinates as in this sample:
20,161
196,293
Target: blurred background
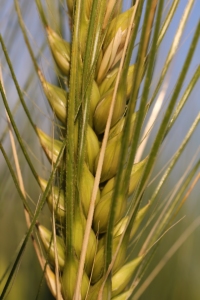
179,279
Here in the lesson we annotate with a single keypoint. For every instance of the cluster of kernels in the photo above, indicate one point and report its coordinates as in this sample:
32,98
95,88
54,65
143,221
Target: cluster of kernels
114,43
101,97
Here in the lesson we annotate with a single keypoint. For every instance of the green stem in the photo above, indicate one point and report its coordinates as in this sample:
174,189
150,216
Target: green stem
70,132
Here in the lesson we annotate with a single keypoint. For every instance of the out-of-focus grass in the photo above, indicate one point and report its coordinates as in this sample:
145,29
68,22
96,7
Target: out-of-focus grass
12,230
179,279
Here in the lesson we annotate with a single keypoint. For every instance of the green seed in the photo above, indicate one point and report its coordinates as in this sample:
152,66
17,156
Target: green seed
55,200
122,278
118,128
60,50
114,42
57,98
113,8
108,82
102,212
112,153
120,227
139,218
121,22
92,148
69,277
51,146
122,296
99,259
86,187
78,234
111,159
95,97
48,243
136,173
102,110
94,291
51,281
110,57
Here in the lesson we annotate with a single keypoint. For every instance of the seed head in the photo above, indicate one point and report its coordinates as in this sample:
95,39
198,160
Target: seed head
60,50
136,173
108,82
51,281
78,234
111,159
99,259
48,243
55,200
102,212
122,296
95,97
122,278
86,187
68,281
120,22
92,148
51,146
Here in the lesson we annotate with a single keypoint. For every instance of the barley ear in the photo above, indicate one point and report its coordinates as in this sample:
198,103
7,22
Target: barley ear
107,121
